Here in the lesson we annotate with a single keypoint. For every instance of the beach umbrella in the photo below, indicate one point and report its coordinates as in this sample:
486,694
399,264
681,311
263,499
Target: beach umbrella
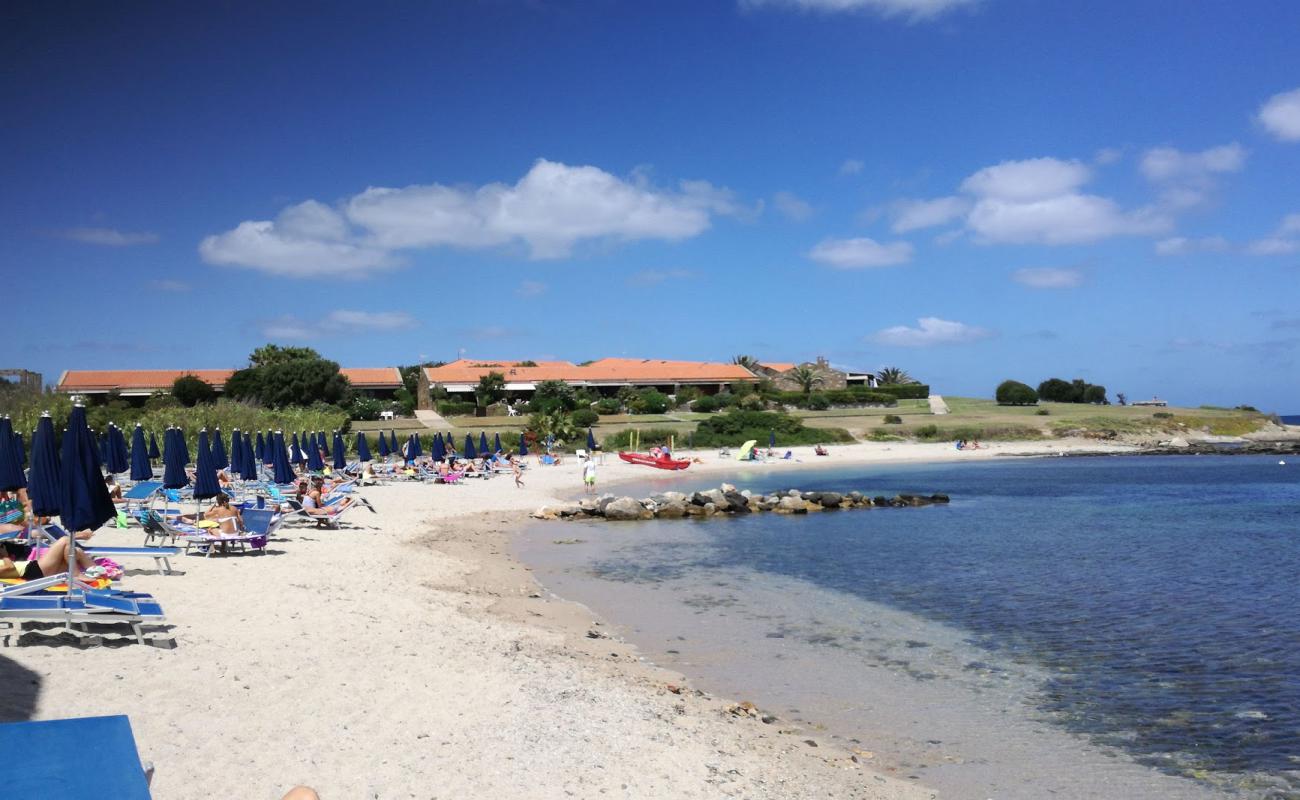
383,446
363,449
205,470
84,503
418,449
154,452
117,458
392,441
248,463
314,462
174,476
482,443
238,444
591,441
219,459
439,448
259,450
340,451
101,442
45,481
295,452
183,446
523,445
22,451
141,469
771,439
496,443
283,473
469,446
11,467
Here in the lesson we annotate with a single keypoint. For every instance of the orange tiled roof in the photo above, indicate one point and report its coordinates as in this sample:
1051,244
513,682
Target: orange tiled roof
606,370
373,377
778,366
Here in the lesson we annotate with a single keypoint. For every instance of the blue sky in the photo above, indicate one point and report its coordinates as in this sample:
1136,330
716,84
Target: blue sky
969,189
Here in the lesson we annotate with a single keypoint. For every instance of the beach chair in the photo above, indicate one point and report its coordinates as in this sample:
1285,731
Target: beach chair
35,601
160,555
259,524
90,756
140,495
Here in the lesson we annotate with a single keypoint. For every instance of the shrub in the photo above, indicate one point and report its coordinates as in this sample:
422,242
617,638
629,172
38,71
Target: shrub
584,417
817,402
927,432
706,404
190,390
1076,391
553,395
1163,415
893,419
736,427
608,406
454,408
882,435
1015,393
649,401
688,393
365,408
753,402
553,423
1042,412
902,391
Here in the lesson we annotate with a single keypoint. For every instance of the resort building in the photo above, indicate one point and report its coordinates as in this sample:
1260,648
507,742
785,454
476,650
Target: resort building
831,378
605,376
138,384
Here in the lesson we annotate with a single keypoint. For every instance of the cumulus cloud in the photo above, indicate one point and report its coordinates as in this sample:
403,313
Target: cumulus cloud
912,10
339,322
1280,115
107,237
1285,240
550,210
1048,277
930,331
653,277
851,166
910,215
860,253
1184,246
1107,155
791,206
1031,179
1186,179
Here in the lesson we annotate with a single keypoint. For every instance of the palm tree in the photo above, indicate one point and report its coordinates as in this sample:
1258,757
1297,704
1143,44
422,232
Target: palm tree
806,377
893,376
748,362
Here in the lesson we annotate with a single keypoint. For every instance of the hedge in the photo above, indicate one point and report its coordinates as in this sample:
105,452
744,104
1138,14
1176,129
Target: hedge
736,427
903,391
452,408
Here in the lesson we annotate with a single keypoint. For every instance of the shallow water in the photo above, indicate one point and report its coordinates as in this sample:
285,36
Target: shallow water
1147,607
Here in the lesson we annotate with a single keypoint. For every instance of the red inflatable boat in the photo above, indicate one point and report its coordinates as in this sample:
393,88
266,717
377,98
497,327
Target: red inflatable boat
651,461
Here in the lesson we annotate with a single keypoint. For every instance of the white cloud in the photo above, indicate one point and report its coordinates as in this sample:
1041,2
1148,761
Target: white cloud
1284,241
653,277
851,166
930,331
531,289
1187,179
860,253
1032,179
1290,224
913,10
1067,219
1107,155
550,209
910,215
338,322
1280,115
791,206
108,237
1183,246
1048,277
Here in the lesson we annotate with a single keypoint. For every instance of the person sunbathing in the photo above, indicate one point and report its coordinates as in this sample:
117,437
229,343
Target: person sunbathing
314,505
114,490
50,562
228,518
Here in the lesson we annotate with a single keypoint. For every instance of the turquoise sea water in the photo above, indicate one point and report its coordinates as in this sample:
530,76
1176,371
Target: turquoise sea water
1146,606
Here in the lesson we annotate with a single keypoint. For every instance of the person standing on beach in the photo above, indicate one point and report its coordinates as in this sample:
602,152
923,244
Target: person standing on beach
589,475
519,475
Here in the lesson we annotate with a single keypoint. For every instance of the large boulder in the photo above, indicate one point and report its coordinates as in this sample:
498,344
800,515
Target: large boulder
624,508
568,510
673,509
699,499
589,505
726,487
675,497
716,497
812,497
736,502
791,505
603,502
693,510
830,499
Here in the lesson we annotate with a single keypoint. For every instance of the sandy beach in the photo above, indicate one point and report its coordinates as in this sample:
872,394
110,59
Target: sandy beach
408,655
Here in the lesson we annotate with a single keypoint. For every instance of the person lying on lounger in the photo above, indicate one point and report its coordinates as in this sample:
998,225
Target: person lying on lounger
227,517
314,506
50,562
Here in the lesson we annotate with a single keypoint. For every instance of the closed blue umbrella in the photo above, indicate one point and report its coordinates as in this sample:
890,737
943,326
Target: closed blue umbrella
340,451
383,446
469,446
141,469
248,464
283,473
205,471
260,452
482,443
314,462
523,445
154,452
174,476
101,442
295,452
183,446
392,441
591,441
236,452
439,448
363,449
417,447
11,467
496,443
116,446
45,484
219,459
84,503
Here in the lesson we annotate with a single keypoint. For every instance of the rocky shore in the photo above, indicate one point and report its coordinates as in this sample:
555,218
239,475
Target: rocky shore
726,499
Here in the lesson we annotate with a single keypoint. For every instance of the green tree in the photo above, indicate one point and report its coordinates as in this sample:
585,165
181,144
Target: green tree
806,377
301,382
551,395
269,354
1015,393
893,376
190,390
748,362
245,384
649,401
556,423
490,388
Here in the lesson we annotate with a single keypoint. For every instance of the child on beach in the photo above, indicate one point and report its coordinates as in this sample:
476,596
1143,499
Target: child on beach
519,475
589,475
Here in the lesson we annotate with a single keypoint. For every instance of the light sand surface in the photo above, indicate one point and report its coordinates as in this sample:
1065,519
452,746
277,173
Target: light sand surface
408,656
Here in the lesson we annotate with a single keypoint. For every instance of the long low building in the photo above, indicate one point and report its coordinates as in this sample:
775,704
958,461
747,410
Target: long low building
376,381
606,375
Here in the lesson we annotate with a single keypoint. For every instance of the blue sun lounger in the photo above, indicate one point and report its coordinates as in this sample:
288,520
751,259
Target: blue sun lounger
33,602
141,494
79,758
160,555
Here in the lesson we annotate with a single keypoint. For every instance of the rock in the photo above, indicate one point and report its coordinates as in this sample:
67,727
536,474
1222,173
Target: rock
545,512
812,497
794,493
671,510
914,500
624,508
791,505
589,505
809,505
676,497
747,493
855,496
726,487
710,509
693,510
736,503
716,497
1179,441
699,499
603,502
570,510
938,498
831,499
880,500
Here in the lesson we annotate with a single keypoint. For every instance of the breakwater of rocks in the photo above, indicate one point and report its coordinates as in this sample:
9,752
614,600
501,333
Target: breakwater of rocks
727,500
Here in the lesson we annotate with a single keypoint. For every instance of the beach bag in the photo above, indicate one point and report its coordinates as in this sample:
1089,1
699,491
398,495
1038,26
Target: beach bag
122,521
112,569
